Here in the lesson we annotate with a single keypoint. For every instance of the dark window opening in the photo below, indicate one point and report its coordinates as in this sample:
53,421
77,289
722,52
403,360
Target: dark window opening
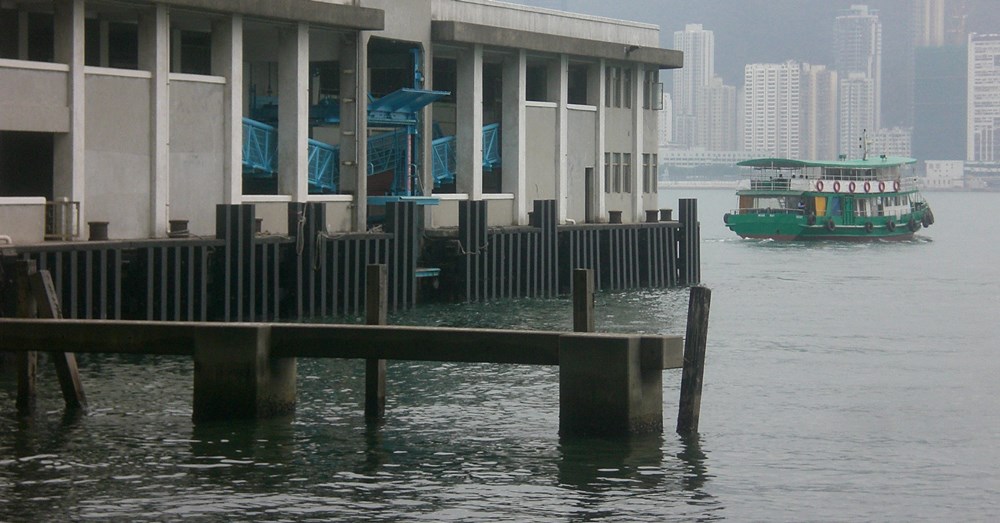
536,83
123,46
26,164
578,84
196,52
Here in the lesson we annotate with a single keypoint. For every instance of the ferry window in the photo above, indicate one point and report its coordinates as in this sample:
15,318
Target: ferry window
607,172
627,171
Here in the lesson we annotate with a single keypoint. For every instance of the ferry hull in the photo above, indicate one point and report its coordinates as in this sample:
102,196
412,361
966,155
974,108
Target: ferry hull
796,227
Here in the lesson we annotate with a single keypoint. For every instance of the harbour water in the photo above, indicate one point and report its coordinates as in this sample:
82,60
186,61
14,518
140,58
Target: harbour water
843,382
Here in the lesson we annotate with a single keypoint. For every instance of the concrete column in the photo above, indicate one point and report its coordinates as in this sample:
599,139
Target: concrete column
595,95
426,164
354,125
638,87
293,112
69,148
154,56
469,139
236,378
604,388
227,61
558,91
514,133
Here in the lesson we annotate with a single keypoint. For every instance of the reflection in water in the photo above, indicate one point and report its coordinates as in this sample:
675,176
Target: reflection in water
694,459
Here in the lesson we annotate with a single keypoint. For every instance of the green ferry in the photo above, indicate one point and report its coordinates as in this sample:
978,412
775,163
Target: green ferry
866,199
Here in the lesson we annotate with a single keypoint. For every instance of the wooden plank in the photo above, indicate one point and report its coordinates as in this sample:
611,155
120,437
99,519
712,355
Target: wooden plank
65,362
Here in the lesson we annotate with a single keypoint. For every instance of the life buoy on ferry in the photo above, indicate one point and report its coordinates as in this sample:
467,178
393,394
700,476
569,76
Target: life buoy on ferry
836,186
868,186
819,185
851,187
881,186
895,185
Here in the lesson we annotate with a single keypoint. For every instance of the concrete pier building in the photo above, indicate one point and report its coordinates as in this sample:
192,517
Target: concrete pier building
139,112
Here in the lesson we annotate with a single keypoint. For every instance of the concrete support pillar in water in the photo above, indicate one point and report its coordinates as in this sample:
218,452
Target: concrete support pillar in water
235,376
605,389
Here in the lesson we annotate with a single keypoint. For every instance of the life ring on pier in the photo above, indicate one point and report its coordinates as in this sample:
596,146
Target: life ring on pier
830,225
836,186
819,186
851,187
869,227
890,225
881,186
868,186
895,185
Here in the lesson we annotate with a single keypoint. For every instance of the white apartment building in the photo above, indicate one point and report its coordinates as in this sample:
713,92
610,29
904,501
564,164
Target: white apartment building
771,109
983,116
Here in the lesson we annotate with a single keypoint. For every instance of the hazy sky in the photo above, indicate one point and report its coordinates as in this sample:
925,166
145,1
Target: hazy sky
751,31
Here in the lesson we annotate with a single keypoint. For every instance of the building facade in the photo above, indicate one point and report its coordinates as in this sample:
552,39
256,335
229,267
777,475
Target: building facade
858,51
856,113
983,116
698,46
819,113
772,109
138,113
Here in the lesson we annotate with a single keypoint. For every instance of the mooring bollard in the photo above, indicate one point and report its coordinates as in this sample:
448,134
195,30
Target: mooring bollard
694,360
376,305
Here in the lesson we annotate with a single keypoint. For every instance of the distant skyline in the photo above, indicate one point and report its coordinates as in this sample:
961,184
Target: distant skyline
769,31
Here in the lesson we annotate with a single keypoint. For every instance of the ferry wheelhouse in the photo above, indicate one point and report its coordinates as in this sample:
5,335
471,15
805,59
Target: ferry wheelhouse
866,199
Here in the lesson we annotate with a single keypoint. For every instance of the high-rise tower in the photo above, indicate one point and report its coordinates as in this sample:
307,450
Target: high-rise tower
983,117
698,46
858,50
771,109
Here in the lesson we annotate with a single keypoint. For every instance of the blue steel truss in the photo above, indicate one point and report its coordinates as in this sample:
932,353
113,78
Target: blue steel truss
445,162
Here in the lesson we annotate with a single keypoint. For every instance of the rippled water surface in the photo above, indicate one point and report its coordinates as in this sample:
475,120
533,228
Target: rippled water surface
843,382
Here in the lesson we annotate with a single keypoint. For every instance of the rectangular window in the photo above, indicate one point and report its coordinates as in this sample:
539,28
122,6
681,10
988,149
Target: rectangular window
627,89
616,166
607,172
645,172
627,172
654,173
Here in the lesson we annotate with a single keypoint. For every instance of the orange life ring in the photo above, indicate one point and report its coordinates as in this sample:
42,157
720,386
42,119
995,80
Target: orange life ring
895,185
868,186
881,186
836,186
819,185
851,187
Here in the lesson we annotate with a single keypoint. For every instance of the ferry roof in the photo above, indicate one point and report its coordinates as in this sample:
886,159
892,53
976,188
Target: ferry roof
788,163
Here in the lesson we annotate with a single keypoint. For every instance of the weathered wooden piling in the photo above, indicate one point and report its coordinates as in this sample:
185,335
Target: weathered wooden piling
47,303
235,376
695,342
27,362
376,305
583,300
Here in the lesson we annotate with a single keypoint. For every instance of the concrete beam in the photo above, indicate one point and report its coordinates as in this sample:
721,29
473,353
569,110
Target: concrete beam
304,11
469,33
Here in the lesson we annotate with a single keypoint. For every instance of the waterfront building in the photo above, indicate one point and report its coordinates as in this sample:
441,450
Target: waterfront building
772,109
856,113
819,113
716,121
983,114
138,113
858,49
944,174
698,46
892,141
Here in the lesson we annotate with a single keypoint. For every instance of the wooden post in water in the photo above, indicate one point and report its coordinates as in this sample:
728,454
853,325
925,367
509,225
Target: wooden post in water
27,362
583,300
694,360
376,305
66,369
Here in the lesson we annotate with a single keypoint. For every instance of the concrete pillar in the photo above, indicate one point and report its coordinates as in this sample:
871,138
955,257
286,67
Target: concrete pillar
595,97
69,157
154,56
236,378
469,139
293,112
354,125
513,132
638,88
227,61
604,388
558,92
